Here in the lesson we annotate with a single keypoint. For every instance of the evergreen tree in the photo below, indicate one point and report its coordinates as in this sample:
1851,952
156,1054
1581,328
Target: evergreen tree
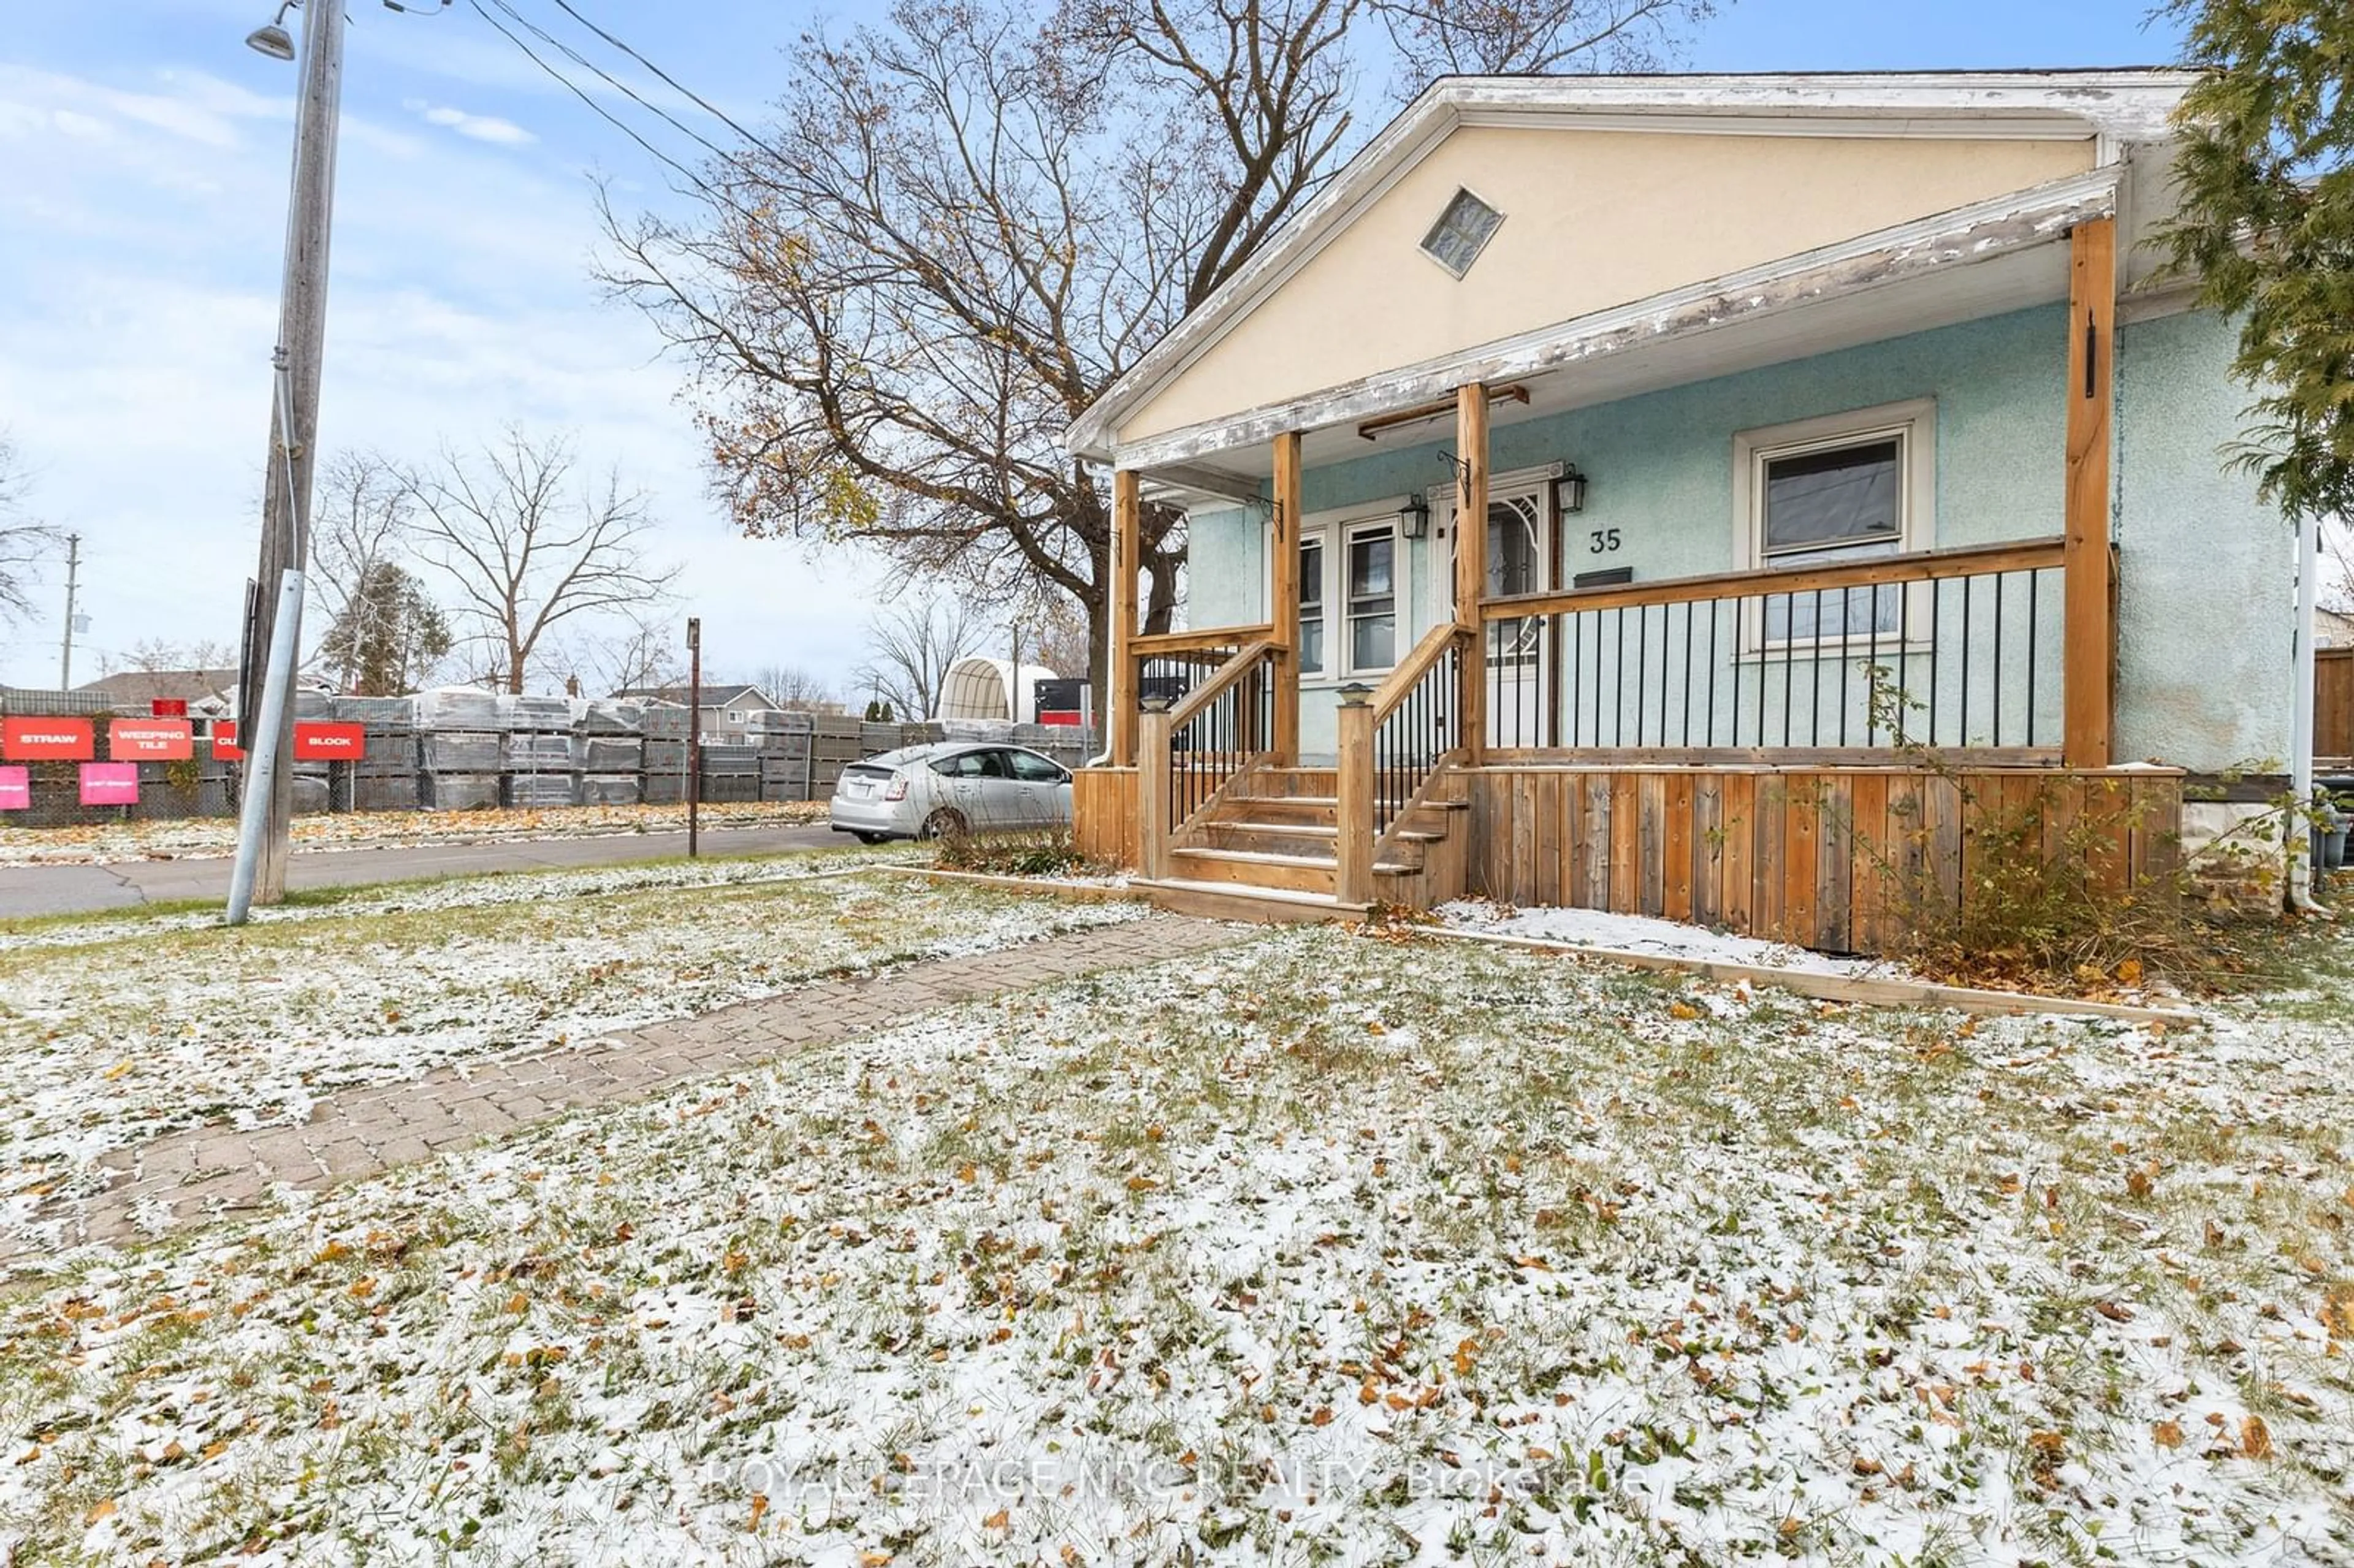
2266,227
390,635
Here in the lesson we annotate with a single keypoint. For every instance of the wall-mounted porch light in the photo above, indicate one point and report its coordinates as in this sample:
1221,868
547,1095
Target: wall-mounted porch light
1569,492
1414,518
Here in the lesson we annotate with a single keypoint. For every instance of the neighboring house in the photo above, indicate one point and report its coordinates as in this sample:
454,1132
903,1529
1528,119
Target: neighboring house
209,693
727,712
1788,407
205,691
2333,629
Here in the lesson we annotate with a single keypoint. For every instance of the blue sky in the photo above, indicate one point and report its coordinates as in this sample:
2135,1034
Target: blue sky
144,209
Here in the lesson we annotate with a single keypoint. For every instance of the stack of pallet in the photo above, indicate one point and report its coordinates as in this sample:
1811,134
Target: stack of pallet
536,758
459,746
385,777
782,741
663,753
835,741
608,754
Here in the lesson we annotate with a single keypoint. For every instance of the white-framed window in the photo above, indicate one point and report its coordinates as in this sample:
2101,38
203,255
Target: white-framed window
1462,231
1840,488
1311,605
1372,577
1355,593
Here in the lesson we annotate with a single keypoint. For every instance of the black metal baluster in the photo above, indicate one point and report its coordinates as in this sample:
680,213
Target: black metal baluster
1789,662
1663,674
2033,579
1995,735
1618,692
1642,664
1847,621
1815,678
1936,641
1689,605
1962,703
1708,737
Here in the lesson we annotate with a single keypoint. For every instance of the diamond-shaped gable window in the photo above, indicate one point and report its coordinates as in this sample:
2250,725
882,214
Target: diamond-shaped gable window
1456,241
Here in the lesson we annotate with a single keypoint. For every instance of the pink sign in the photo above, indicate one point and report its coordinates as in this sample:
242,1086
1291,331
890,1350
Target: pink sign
110,783
15,788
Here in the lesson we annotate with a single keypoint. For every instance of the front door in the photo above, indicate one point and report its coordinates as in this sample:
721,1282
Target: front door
1520,560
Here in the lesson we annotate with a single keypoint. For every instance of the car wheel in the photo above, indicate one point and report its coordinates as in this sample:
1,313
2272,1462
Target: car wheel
943,822
870,838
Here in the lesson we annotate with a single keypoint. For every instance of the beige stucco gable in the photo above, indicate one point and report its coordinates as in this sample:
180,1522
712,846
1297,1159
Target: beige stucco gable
1592,220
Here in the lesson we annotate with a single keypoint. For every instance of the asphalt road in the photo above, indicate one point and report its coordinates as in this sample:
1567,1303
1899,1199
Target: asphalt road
127,884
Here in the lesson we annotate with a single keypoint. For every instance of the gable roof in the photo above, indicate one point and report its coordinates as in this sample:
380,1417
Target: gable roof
140,687
2115,108
714,697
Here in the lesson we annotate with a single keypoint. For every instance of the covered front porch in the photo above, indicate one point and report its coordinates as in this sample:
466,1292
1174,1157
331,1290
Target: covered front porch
1801,748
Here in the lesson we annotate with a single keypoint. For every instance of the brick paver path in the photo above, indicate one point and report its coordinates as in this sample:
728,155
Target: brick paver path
364,1131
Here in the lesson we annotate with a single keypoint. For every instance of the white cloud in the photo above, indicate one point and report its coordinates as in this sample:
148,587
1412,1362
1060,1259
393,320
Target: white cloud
135,342
481,127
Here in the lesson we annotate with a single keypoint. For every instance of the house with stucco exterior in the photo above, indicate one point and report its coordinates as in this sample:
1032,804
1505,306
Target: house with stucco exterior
1716,497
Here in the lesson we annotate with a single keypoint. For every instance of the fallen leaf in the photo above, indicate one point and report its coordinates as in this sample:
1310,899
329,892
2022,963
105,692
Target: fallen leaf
2255,1440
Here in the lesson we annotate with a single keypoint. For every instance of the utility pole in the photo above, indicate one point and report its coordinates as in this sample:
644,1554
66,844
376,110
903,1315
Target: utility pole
694,730
294,411
65,655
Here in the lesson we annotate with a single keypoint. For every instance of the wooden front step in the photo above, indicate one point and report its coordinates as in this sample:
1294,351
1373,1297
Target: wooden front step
1325,781
1316,810
1313,841
1255,868
1229,901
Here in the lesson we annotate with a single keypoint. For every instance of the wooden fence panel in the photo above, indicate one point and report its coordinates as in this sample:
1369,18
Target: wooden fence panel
2333,703
1827,857
1106,816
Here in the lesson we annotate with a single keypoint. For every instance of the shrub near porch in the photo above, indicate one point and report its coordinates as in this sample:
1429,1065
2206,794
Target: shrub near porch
1323,1247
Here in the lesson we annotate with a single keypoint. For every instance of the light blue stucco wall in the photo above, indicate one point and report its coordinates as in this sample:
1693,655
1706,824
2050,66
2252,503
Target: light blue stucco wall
2206,598
2203,639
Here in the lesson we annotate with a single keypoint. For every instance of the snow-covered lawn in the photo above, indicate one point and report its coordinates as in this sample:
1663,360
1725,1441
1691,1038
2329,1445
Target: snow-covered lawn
103,843
113,1031
1325,1247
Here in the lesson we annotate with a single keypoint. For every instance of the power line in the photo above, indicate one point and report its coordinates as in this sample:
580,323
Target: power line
615,82
602,112
689,93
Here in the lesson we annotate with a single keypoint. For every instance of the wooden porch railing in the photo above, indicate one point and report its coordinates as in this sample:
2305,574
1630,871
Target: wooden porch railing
1170,664
1392,748
1189,754
1957,648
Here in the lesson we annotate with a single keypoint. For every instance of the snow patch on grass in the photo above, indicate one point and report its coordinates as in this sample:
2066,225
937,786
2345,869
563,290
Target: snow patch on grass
1323,1247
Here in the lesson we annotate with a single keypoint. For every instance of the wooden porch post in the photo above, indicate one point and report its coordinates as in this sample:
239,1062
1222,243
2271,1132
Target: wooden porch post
1352,848
1283,598
2088,661
1471,559
1152,802
1119,667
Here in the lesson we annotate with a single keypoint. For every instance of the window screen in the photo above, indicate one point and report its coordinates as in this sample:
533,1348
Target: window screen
1311,606
1834,504
1465,228
1837,499
1373,601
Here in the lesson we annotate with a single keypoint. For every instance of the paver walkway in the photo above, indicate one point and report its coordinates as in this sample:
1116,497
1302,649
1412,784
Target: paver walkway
364,1131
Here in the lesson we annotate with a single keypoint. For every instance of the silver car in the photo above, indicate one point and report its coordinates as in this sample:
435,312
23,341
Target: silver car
950,787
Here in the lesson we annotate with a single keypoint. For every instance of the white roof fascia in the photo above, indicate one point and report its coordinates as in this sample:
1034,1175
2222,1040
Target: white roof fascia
2118,107
1980,232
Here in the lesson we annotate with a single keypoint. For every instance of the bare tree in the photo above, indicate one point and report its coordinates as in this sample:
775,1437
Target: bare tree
530,549
910,647
25,541
628,653
362,522
1056,634
790,687
967,223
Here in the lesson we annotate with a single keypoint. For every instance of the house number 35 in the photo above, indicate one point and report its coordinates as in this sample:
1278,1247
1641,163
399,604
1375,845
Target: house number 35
1604,540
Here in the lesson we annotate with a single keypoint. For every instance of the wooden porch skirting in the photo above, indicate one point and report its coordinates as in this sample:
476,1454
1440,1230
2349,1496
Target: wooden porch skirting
1107,816
1831,858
